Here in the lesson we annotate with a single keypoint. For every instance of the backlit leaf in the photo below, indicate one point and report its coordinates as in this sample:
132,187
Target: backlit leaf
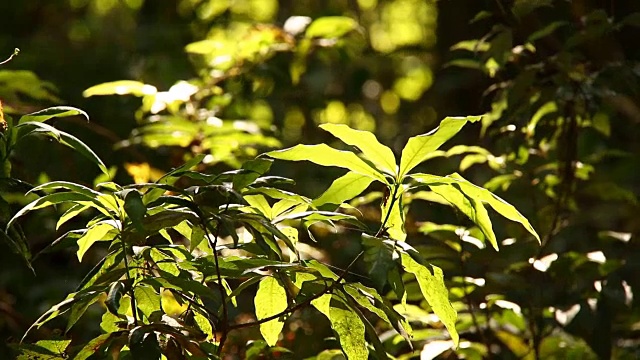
331,27
479,194
380,155
419,147
122,87
434,291
52,112
271,299
327,156
350,330
99,232
344,188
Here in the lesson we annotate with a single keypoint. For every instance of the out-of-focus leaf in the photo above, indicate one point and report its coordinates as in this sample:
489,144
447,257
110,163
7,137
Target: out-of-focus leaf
122,87
331,27
270,299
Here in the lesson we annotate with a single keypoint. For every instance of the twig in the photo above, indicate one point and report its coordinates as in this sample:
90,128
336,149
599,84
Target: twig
16,51
306,302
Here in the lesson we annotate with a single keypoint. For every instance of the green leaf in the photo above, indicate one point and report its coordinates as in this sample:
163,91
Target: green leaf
350,330
434,291
380,155
251,170
479,194
393,216
331,27
78,188
344,188
419,147
69,141
52,112
116,290
122,87
259,203
271,299
472,208
92,346
327,156
147,300
79,308
135,208
44,350
49,200
96,233
72,212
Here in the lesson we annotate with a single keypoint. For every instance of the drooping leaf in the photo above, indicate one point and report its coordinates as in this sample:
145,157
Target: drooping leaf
378,255
92,346
480,194
344,188
419,147
116,291
327,156
52,112
270,299
434,291
380,155
251,170
98,232
69,141
122,87
469,206
49,200
350,330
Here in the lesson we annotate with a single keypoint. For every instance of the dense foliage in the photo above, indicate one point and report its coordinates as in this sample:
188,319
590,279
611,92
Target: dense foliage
199,236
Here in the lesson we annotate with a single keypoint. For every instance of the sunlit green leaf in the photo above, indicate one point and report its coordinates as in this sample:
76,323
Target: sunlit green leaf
270,299
380,155
99,232
472,208
479,194
49,200
344,188
434,291
419,147
52,112
147,300
122,87
350,330
327,156
331,27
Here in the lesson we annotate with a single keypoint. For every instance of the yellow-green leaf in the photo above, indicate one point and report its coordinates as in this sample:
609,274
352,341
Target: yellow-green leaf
271,299
479,194
331,27
122,87
434,291
419,148
344,188
350,329
380,155
98,232
324,155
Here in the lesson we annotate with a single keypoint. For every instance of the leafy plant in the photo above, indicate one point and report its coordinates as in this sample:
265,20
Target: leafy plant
181,251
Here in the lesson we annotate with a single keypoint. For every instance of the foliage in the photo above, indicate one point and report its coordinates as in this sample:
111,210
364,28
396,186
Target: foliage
364,251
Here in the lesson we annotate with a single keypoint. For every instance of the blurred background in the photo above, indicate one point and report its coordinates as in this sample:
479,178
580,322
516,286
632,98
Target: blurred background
558,81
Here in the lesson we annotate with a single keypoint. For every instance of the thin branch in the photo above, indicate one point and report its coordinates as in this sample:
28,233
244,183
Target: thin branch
306,302
16,51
